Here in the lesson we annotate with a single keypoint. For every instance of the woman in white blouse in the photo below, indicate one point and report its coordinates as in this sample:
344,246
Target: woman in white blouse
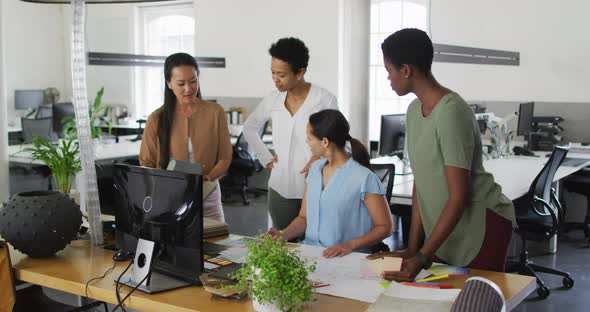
289,108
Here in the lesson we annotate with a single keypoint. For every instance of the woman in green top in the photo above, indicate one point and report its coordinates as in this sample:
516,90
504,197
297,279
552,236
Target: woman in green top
458,211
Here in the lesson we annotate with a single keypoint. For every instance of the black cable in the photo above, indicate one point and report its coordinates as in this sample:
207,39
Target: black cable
100,277
118,285
117,288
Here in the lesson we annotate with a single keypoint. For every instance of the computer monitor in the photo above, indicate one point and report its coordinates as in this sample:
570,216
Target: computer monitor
61,111
525,119
393,133
165,207
28,99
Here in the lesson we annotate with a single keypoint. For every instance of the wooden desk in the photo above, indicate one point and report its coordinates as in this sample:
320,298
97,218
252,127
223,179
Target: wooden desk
70,269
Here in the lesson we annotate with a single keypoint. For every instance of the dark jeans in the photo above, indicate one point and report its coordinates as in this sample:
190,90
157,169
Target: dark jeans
282,210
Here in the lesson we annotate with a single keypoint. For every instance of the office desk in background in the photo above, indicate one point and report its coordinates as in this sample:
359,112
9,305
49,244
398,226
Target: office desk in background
70,269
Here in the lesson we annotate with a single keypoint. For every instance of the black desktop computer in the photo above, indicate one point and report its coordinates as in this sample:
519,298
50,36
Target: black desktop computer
393,132
164,207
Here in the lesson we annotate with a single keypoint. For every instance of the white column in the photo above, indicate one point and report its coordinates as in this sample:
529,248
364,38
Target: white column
4,180
353,67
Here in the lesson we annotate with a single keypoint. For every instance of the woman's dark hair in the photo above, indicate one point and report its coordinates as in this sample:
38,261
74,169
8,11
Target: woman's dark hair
331,124
167,110
291,50
409,46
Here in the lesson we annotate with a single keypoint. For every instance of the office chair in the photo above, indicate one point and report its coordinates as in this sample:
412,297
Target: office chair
241,167
537,221
579,183
37,127
386,173
31,298
44,111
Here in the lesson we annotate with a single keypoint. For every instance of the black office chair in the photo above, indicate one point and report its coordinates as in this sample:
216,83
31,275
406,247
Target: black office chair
386,173
579,183
37,127
242,167
536,216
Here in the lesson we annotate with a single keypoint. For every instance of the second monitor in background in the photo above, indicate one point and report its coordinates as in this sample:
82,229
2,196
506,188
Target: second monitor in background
393,133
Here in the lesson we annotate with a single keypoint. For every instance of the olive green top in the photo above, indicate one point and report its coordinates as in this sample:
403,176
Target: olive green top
449,136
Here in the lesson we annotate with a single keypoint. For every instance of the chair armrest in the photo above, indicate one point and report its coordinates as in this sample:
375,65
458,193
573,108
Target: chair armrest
558,205
549,208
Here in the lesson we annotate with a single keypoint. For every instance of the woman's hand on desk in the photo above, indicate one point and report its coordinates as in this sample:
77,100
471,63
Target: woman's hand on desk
410,268
404,254
275,233
338,250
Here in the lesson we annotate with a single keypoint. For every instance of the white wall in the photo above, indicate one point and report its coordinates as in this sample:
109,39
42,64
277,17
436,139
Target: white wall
551,37
33,47
109,28
4,180
242,32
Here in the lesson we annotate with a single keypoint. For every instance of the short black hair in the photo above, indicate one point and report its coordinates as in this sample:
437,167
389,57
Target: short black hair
409,46
291,50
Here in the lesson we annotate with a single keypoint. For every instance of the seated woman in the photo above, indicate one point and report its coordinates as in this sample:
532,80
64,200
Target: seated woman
343,205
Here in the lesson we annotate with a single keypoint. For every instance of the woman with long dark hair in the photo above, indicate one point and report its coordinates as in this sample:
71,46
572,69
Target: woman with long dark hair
344,207
187,127
458,211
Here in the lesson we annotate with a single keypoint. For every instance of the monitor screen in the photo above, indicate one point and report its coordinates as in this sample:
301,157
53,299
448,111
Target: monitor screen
525,119
61,111
393,132
165,207
25,99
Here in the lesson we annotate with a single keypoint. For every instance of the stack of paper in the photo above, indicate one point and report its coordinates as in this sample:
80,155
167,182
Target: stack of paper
213,228
409,298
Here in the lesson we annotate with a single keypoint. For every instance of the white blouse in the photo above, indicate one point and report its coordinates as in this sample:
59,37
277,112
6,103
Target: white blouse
288,136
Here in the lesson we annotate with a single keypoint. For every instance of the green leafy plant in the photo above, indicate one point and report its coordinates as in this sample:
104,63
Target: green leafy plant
96,117
276,274
62,159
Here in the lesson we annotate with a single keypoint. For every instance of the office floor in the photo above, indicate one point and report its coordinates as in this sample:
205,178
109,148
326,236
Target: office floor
572,255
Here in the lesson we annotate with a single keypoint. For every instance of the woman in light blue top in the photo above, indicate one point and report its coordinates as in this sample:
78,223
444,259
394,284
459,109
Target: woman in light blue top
343,205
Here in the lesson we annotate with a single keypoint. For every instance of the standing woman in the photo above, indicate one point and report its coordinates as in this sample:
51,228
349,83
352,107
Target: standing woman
289,108
187,127
457,208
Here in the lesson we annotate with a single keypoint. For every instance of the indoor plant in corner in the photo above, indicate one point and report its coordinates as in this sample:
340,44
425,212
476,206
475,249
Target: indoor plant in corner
41,223
276,276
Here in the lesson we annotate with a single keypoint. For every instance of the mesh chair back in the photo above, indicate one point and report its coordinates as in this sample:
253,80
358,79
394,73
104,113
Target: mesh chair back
386,173
541,186
37,127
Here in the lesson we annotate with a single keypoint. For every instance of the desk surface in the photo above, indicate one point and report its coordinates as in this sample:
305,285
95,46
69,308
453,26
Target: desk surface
70,269
123,149
513,173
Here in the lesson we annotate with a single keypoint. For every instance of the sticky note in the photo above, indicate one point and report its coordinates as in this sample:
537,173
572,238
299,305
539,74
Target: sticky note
385,264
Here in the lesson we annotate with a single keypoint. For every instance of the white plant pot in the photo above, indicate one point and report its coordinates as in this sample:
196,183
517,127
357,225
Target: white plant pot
267,307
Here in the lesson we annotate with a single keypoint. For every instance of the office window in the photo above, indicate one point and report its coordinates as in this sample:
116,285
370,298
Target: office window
388,16
164,30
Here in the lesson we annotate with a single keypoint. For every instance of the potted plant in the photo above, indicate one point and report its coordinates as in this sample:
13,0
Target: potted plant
96,117
62,159
276,277
41,223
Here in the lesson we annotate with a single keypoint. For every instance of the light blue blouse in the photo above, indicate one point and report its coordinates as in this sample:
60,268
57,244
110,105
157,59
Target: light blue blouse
338,213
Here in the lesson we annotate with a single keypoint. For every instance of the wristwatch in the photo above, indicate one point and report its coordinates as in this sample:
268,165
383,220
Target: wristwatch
426,262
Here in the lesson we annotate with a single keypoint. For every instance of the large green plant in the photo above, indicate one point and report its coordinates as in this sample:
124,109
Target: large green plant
97,118
276,274
62,159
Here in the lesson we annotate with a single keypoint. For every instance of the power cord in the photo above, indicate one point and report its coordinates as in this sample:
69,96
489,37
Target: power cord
118,284
100,277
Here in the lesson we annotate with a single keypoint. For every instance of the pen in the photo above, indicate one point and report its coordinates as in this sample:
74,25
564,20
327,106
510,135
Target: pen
425,285
320,285
434,278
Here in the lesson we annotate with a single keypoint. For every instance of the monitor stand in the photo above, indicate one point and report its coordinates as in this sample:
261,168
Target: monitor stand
143,266
157,283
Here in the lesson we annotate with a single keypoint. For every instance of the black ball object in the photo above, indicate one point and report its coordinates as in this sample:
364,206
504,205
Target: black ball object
40,223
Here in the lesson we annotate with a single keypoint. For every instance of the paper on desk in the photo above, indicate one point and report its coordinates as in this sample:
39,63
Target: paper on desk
235,254
348,276
409,298
385,264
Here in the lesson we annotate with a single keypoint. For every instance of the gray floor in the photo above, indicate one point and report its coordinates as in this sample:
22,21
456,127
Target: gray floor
572,255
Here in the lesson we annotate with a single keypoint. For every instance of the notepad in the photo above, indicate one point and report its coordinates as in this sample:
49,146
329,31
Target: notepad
385,264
